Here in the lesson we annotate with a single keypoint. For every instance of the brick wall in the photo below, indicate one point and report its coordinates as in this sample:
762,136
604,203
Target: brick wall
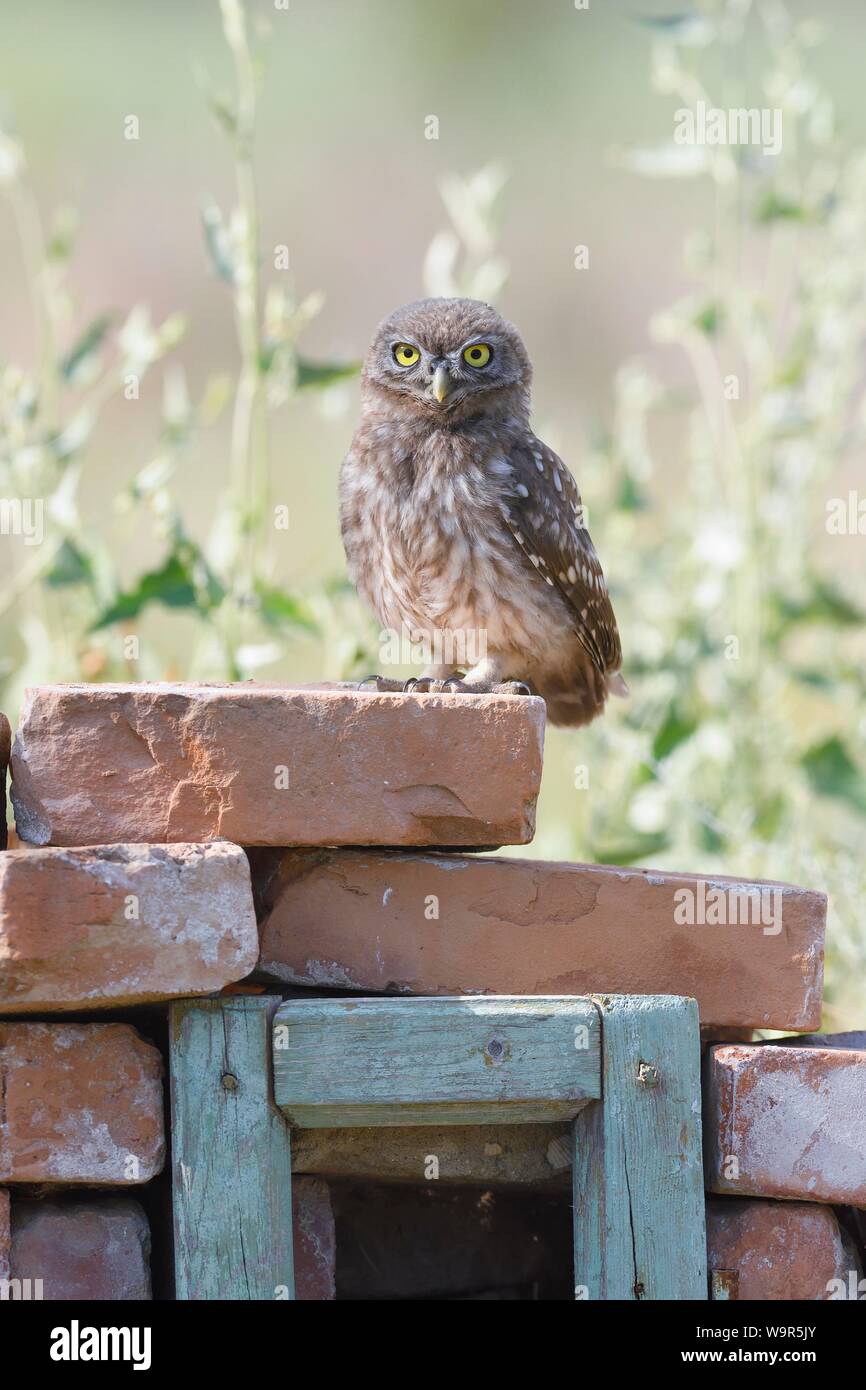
176,841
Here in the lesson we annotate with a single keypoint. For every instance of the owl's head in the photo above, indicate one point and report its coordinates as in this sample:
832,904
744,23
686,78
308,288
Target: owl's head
447,360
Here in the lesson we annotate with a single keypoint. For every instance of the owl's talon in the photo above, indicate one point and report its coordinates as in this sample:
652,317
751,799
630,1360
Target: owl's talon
384,686
512,688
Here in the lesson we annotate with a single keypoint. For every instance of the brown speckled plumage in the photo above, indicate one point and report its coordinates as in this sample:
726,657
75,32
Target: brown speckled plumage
455,518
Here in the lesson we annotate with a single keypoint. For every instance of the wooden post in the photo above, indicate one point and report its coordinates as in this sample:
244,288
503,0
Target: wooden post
639,1211
231,1159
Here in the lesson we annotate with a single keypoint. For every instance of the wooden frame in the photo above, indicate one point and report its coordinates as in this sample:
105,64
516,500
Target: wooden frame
625,1070
231,1156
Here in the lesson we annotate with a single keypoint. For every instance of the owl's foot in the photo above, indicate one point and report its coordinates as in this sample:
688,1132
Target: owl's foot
413,686
453,685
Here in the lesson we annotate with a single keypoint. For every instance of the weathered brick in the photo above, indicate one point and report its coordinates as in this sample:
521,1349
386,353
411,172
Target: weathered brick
456,924
83,1250
83,1104
315,1242
5,1233
786,1122
778,1250
508,1155
855,1040
274,765
119,924
5,747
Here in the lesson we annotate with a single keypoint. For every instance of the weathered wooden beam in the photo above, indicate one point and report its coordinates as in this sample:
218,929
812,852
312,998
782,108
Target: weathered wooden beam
639,1220
494,1060
231,1165
507,1155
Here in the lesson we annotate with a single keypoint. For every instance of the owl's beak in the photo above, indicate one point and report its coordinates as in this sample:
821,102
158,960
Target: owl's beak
441,382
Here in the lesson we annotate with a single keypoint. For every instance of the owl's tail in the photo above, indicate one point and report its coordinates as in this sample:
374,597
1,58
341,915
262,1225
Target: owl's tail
582,702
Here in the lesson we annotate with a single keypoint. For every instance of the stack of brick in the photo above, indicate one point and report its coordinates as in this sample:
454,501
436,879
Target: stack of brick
83,930
357,811
131,887
785,1134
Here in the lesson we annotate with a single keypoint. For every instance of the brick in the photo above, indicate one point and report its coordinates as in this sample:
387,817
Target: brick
349,919
5,1233
315,1241
777,1250
122,924
786,1122
102,764
83,1104
855,1040
83,1250
5,746
508,1155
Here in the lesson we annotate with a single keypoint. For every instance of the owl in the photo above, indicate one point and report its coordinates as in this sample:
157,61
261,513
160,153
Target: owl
463,532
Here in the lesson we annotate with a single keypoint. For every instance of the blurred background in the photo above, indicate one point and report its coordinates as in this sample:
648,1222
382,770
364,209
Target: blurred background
205,210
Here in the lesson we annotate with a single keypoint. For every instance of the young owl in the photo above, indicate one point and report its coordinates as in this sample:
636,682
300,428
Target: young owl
461,528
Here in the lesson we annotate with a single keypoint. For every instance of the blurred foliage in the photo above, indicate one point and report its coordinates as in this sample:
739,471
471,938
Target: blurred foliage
48,415
741,747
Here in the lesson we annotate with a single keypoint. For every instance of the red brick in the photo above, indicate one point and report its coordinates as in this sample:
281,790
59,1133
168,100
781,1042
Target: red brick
358,920
119,924
315,1242
786,1122
83,1104
102,764
5,1233
5,745
778,1250
83,1250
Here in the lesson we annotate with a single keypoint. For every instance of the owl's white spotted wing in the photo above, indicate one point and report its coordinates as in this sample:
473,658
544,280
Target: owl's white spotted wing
544,514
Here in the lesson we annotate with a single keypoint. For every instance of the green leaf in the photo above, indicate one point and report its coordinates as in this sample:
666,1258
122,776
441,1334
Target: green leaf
708,319
710,839
71,566
224,114
690,27
818,680
320,374
630,849
824,604
768,816
630,498
279,609
85,346
218,241
677,727
832,772
182,581
776,207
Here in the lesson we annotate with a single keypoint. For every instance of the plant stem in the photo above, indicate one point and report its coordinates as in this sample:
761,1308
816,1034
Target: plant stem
248,443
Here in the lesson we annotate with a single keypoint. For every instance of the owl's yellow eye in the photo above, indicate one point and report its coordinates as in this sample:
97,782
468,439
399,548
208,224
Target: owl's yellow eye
478,355
406,355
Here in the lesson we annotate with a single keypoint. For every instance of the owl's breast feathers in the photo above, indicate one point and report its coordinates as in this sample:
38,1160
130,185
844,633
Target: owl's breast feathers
483,528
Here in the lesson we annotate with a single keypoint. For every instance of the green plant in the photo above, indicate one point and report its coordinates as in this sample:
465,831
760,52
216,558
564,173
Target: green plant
72,615
741,750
